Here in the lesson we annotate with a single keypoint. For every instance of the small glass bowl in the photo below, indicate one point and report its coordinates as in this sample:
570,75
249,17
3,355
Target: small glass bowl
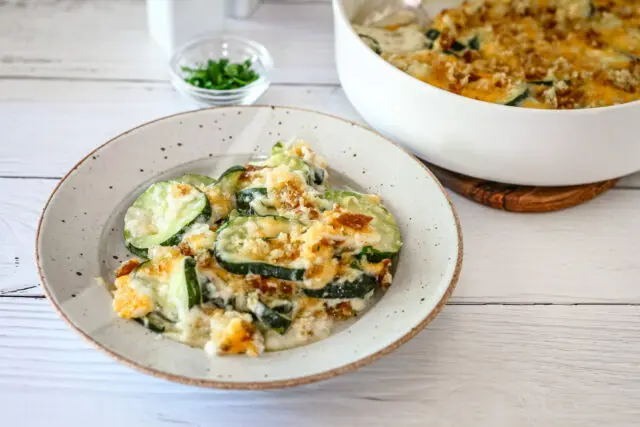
235,49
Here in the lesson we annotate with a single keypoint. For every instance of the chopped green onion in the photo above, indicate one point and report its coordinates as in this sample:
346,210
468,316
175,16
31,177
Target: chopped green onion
432,34
220,75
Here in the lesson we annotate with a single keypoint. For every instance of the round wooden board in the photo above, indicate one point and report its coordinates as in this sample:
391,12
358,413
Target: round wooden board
519,198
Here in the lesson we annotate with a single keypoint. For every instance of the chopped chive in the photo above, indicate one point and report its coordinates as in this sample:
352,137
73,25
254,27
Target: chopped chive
221,74
456,46
541,82
474,43
432,34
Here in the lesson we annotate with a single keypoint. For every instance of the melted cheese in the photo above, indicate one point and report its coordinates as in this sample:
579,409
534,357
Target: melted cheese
199,238
194,328
589,44
318,239
300,148
221,202
303,330
130,302
233,333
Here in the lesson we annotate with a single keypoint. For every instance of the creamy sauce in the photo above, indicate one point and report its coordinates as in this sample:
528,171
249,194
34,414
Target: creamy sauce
184,292
553,54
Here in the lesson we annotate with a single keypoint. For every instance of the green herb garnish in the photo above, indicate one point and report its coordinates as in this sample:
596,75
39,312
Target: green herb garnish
221,75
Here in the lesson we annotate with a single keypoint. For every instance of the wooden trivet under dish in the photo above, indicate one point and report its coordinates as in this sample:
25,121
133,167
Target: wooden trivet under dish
519,198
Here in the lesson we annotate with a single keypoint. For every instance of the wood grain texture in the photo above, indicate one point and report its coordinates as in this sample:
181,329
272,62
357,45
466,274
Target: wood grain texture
74,117
587,258
106,39
21,202
74,73
520,198
483,366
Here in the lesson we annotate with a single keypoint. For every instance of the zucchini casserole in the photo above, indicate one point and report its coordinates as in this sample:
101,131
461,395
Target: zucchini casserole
552,54
266,257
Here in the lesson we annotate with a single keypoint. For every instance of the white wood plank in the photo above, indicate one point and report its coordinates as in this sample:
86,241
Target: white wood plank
575,256
76,116
474,365
106,39
41,39
21,202
72,118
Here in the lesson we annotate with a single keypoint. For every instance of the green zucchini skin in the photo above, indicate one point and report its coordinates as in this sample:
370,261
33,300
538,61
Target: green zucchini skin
432,34
260,269
246,196
372,43
231,171
176,238
155,322
193,284
271,319
518,99
143,250
383,222
458,47
183,291
474,43
228,181
227,184
198,181
375,256
252,267
356,289
541,82
319,176
278,147
149,325
313,175
283,308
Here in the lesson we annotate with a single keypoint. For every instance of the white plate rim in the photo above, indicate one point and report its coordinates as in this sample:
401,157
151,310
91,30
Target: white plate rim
209,383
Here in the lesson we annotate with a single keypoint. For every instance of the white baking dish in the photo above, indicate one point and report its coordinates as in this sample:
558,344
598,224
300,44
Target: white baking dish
484,140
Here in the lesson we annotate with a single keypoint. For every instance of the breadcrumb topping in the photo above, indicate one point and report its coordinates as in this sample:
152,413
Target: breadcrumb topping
558,54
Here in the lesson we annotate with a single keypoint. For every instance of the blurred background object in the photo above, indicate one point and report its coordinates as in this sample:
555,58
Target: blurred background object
172,23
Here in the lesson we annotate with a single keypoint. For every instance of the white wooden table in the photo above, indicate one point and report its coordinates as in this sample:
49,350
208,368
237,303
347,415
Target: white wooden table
543,329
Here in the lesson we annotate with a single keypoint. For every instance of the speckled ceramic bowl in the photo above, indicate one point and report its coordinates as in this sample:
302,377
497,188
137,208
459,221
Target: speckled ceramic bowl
80,238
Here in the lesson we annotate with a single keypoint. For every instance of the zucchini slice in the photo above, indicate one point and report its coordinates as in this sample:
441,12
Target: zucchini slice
175,284
195,180
371,42
474,43
585,8
221,194
319,176
516,95
156,322
541,82
161,214
458,47
250,201
228,181
279,157
383,222
268,317
358,288
238,233
432,34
